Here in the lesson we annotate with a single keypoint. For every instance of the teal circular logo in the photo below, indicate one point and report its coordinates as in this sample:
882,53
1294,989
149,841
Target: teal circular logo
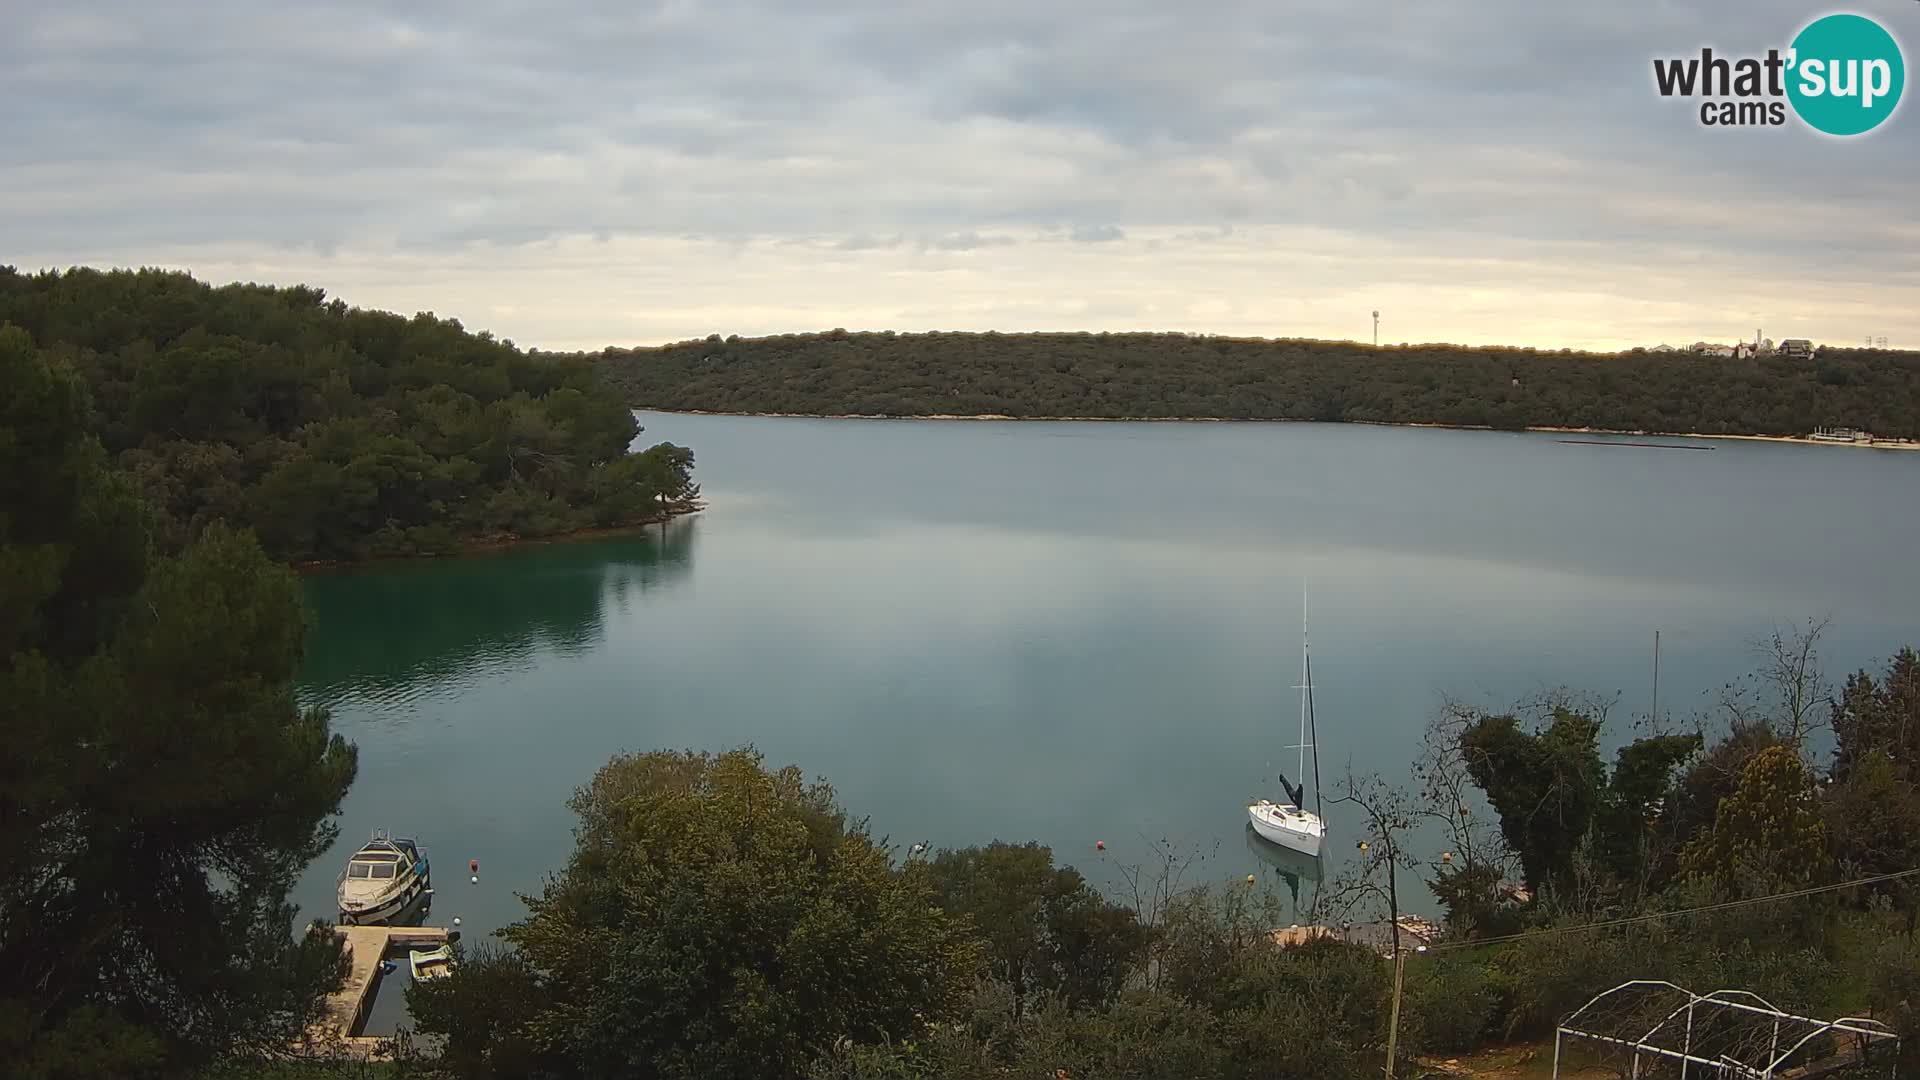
1846,74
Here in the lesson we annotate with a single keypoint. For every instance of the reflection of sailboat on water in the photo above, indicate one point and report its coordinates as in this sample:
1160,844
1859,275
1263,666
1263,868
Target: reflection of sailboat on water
1291,864
1293,867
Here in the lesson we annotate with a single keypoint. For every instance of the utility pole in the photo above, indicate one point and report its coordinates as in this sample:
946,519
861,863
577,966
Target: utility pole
1399,955
1376,329
1387,816
1393,1023
1656,676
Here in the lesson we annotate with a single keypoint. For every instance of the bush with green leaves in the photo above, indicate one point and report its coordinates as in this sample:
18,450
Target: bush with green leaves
1046,930
1277,1025
716,919
1453,1004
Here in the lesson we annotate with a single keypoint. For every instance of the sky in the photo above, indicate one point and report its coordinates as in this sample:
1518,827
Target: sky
581,174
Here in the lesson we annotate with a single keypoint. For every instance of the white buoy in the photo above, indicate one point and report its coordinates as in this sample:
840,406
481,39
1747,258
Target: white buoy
456,920
476,879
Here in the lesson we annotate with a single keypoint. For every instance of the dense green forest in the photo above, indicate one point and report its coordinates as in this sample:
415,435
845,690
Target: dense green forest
1140,376
160,787
334,432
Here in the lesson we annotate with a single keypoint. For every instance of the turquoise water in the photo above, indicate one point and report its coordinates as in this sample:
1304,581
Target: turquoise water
1078,632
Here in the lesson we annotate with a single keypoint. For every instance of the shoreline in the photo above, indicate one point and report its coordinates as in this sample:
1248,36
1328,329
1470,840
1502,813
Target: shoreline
491,545
1792,440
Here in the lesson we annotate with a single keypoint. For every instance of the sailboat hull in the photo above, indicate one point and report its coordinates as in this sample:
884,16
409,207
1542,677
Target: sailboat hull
1288,826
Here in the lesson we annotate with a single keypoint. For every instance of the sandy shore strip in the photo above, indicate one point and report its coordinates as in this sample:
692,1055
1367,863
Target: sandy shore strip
1793,440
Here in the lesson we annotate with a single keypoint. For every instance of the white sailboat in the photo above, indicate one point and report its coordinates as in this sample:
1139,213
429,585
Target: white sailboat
1290,824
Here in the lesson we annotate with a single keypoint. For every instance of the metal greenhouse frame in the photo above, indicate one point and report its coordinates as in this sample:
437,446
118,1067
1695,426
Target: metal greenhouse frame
1665,1030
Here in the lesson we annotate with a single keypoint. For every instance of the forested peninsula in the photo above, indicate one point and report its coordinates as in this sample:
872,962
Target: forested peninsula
336,433
1179,376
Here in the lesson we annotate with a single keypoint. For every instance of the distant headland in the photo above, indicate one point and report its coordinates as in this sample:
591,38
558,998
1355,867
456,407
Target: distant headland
1825,394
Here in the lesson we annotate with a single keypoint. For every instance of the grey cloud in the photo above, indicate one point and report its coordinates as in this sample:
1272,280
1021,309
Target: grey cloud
446,124
964,241
864,242
1204,236
1097,234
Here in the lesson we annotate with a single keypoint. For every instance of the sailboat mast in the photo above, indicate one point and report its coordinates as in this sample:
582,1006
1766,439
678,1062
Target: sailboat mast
1313,734
1305,689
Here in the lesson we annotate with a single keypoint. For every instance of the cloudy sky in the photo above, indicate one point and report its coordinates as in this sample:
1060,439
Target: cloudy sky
578,174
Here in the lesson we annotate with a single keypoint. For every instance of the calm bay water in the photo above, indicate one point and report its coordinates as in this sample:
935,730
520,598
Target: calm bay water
1075,632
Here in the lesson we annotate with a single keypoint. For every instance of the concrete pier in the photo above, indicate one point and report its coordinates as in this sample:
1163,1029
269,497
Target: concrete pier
339,1029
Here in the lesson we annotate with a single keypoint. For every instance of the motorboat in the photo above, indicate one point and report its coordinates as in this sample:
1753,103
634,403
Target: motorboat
381,880
431,963
1288,822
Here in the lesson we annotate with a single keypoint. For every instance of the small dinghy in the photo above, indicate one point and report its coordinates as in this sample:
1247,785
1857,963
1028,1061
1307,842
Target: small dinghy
431,963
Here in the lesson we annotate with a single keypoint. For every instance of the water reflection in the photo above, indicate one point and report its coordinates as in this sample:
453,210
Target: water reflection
1602,516
1292,867
397,630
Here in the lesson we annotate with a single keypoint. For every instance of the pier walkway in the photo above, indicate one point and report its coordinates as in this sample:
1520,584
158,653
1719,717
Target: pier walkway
339,1030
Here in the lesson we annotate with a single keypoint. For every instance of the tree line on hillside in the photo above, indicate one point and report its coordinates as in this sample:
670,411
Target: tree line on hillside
332,432
1144,376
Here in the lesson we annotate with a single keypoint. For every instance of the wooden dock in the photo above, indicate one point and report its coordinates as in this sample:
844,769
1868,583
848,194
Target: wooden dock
339,1030
1378,936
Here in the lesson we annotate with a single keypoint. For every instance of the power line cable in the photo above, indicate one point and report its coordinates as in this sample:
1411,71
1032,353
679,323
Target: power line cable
1657,915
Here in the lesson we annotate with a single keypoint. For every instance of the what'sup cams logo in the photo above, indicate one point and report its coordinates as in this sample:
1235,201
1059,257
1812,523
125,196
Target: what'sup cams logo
1842,75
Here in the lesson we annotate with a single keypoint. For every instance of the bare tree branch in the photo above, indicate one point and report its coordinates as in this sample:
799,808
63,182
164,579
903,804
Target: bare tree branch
1389,815
1790,693
1153,888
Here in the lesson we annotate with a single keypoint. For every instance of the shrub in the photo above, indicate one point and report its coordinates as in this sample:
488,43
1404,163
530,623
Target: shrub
1451,1003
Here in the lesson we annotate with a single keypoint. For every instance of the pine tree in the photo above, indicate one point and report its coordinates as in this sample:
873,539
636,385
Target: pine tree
160,790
